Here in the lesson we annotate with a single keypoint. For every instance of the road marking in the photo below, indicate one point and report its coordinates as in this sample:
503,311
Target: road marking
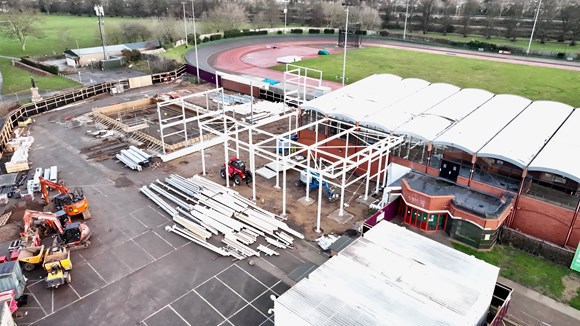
99,275
269,318
248,303
163,239
75,291
52,299
41,307
100,192
143,249
178,315
209,304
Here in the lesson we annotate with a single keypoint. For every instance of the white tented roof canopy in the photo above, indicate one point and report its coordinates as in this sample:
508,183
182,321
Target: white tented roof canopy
475,130
391,276
392,117
434,121
520,141
561,156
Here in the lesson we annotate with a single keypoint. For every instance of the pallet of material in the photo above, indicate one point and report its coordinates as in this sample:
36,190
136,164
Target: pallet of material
4,218
16,167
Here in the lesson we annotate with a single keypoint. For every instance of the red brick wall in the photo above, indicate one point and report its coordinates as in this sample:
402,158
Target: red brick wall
545,221
487,188
484,223
424,201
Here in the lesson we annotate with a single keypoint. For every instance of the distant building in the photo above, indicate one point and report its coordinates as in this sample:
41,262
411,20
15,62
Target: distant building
86,56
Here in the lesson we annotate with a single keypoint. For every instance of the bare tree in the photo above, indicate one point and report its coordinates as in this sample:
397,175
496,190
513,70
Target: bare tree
114,34
46,5
492,10
447,9
569,16
426,7
135,32
385,8
513,17
226,16
470,8
369,18
333,14
548,12
165,30
20,24
575,24
272,12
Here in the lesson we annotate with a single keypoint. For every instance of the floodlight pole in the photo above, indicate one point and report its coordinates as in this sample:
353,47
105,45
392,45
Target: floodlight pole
405,28
344,56
100,14
534,27
195,41
184,23
285,15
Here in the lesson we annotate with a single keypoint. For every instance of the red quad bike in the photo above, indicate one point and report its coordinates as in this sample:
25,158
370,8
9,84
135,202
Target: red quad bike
237,171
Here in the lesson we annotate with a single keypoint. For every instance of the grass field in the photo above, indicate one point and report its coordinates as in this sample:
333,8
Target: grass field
528,270
535,83
519,43
16,80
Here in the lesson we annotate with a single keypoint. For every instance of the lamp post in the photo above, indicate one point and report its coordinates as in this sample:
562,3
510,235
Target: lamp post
285,14
406,14
100,14
534,27
344,55
184,23
195,42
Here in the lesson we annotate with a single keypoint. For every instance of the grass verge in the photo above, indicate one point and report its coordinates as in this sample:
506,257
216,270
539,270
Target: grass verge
536,83
17,80
528,270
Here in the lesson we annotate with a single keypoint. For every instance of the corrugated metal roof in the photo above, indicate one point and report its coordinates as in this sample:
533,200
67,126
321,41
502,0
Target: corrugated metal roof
392,276
99,49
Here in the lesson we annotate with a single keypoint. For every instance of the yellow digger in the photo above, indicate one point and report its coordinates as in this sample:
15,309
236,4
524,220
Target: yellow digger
31,256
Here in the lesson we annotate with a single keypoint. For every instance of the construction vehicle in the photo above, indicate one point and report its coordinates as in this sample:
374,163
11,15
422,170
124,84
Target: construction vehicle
57,264
236,171
30,257
312,180
73,203
73,236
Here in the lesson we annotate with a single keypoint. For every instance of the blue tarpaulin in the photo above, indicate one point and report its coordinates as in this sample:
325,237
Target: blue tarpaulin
270,81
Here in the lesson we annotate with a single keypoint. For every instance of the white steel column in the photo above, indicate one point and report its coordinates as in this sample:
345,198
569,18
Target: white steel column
161,128
252,162
386,167
237,143
319,212
308,176
277,185
225,141
202,147
183,114
284,188
380,149
368,177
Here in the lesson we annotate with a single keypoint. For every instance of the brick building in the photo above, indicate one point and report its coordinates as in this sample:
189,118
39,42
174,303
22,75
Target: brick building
479,161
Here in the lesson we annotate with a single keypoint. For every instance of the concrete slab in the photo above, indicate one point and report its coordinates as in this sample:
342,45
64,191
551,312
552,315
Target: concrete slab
248,316
42,295
242,283
85,279
285,262
280,288
346,216
110,267
64,295
150,217
306,201
263,276
196,311
221,298
153,244
130,226
132,255
165,317
266,173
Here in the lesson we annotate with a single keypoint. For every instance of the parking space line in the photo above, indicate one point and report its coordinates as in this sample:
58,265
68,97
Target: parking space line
52,299
138,245
248,303
269,318
252,276
214,308
100,192
121,260
178,315
256,298
209,279
138,220
39,304
75,291
172,246
99,275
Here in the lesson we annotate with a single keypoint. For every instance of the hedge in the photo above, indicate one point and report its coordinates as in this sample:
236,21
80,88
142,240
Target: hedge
48,68
215,37
296,31
314,31
238,33
329,31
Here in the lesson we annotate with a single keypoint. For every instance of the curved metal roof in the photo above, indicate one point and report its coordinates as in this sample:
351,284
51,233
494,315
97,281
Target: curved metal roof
560,156
478,128
521,140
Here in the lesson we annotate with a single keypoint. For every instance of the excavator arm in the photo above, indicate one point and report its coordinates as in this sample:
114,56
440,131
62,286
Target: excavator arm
49,219
44,184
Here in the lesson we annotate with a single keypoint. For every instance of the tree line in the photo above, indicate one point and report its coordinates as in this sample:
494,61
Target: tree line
556,19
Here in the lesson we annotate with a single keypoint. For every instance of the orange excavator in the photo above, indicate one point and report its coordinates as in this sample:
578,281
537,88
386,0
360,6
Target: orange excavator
74,235
73,203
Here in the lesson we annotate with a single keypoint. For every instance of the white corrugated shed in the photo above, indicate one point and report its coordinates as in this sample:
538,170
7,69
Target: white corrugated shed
392,276
475,130
520,141
433,122
560,156
401,112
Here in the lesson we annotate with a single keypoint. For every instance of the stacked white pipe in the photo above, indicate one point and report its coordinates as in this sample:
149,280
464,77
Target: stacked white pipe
134,158
202,208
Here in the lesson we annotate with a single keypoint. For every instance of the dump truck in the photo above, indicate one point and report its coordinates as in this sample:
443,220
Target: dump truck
57,264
